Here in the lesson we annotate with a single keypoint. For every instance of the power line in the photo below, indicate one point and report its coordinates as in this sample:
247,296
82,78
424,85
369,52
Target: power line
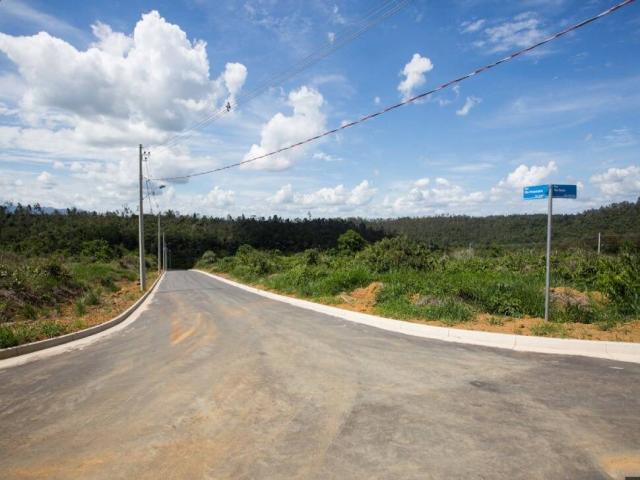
412,99
367,22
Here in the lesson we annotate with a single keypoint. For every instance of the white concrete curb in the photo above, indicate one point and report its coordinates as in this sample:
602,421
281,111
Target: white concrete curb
620,351
28,352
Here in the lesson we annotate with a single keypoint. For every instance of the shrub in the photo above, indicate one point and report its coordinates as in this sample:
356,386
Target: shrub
208,257
81,309
311,257
97,250
91,298
351,242
397,253
619,279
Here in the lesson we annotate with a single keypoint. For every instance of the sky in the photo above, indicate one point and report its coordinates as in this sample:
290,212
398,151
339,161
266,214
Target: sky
82,84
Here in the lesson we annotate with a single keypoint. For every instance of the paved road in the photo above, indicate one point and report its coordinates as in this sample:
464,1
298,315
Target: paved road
215,382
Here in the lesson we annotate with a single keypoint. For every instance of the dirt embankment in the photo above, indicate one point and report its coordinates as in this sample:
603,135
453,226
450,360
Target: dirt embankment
364,300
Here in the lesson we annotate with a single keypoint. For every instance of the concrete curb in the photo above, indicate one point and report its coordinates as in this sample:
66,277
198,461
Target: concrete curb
70,337
619,351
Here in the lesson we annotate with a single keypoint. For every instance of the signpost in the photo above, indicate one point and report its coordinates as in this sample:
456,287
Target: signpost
551,191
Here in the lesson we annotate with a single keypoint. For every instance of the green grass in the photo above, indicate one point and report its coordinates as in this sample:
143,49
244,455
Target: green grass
17,334
33,289
548,329
460,284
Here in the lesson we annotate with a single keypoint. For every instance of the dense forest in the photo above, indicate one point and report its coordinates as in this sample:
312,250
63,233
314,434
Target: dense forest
31,231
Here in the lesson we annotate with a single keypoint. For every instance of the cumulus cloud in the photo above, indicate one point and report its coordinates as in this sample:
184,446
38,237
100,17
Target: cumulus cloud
219,198
469,103
521,177
281,130
414,75
619,182
427,196
155,79
338,196
524,175
46,181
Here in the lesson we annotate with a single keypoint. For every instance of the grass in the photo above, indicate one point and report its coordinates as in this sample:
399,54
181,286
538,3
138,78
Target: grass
548,329
450,286
34,293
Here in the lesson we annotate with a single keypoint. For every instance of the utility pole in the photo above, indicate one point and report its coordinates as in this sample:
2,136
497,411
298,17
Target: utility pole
159,246
548,275
164,252
598,243
143,279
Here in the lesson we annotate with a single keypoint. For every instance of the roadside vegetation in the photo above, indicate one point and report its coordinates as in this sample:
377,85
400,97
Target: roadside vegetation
43,297
496,289
61,271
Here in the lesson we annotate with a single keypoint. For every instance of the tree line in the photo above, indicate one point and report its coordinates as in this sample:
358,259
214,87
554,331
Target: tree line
34,231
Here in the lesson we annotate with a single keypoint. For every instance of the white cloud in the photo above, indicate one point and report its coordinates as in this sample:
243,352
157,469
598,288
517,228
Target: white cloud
284,195
472,26
522,31
25,14
469,103
338,196
46,180
442,196
280,131
521,177
337,16
524,175
153,81
619,182
331,36
376,100
325,157
413,73
219,198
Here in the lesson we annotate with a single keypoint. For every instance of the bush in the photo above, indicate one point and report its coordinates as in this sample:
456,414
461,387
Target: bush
619,280
397,253
208,257
351,242
91,298
81,309
96,250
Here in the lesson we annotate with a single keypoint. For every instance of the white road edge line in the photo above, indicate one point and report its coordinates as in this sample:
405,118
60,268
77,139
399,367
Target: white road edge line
82,342
619,351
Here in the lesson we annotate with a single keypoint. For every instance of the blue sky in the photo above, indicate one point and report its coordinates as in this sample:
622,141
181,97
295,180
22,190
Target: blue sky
83,83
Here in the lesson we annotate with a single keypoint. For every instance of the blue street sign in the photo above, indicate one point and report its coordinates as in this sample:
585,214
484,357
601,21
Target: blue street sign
565,191
535,192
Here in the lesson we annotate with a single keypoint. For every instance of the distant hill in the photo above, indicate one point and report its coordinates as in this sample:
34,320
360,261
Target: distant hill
618,223
41,231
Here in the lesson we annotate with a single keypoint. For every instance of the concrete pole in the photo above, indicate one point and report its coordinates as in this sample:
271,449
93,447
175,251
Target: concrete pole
143,280
164,252
548,274
159,246
598,243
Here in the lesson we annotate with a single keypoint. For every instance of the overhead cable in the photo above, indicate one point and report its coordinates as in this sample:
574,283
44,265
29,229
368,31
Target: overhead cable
412,99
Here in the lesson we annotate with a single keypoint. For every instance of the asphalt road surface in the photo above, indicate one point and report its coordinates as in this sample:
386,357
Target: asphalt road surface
215,382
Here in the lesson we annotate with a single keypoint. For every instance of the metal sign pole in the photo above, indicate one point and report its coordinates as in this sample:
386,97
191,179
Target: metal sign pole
548,276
